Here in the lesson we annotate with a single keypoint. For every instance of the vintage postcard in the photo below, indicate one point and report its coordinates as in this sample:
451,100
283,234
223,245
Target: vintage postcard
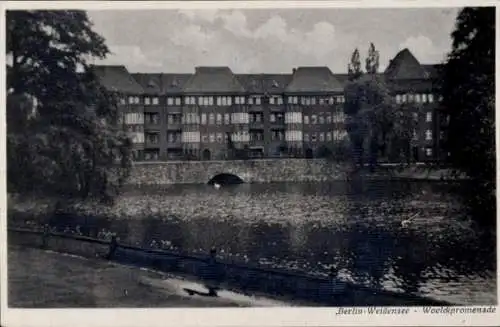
248,163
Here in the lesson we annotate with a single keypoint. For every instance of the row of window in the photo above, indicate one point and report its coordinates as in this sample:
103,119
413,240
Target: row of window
245,118
415,98
228,100
337,135
244,136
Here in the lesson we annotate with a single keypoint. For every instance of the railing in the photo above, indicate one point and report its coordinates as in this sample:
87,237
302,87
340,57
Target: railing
242,277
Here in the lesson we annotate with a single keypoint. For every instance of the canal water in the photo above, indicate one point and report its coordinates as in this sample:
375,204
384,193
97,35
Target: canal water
355,225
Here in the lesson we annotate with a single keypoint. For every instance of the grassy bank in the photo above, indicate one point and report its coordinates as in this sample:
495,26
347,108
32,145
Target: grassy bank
44,279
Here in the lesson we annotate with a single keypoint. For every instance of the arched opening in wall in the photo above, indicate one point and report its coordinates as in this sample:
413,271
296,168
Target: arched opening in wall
225,179
206,154
309,153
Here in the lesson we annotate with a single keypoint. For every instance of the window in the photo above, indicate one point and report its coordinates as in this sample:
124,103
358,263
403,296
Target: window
277,135
321,119
313,137
306,120
430,97
417,98
415,116
398,98
328,136
152,118
403,98
200,101
271,100
415,135
219,138
424,97
280,100
331,100
177,101
152,138
130,100
410,97
123,101
428,152
328,118
313,101
322,137
211,119
428,117
428,135
170,101
306,137
314,119
147,101
212,137
204,138
210,101
203,119
257,101
272,118
219,119
227,119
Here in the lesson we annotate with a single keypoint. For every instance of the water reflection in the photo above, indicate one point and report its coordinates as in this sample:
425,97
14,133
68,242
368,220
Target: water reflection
354,225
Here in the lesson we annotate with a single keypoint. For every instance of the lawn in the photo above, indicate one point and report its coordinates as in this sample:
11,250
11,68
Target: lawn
44,279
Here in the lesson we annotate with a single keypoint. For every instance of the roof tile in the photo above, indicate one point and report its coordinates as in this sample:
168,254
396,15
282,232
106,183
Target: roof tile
314,79
117,79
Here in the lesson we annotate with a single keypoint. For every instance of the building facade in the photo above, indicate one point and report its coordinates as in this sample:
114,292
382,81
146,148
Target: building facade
215,114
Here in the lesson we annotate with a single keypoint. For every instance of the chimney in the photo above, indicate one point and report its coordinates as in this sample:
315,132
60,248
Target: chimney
294,70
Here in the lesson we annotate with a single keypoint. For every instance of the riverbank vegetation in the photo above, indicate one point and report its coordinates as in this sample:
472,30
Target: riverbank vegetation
468,91
62,133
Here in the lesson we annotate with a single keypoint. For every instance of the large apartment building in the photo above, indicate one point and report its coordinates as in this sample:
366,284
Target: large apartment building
210,114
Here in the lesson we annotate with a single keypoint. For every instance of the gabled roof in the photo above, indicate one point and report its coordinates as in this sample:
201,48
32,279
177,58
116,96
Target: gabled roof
252,83
342,78
313,79
174,83
213,80
433,71
276,83
151,83
405,66
117,79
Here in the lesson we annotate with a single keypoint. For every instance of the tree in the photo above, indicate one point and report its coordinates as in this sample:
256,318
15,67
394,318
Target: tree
468,100
375,121
354,67
372,60
62,135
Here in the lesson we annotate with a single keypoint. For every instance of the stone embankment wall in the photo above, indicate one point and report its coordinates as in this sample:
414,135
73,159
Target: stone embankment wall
250,171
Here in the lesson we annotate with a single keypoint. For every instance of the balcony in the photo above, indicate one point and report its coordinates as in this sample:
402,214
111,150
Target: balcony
256,143
278,123
174,144
176,126
152,126
151,145
256,125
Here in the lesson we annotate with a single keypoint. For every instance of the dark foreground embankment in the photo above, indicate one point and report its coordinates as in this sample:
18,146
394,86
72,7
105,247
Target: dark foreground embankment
243,278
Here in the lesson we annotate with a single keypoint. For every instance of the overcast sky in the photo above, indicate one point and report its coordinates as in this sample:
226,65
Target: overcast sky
269,40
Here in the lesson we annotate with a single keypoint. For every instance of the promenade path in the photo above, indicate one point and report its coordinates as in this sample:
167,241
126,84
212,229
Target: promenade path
45,279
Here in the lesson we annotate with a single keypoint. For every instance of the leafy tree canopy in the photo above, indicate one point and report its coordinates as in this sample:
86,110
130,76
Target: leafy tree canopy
62,133
376,124
468,91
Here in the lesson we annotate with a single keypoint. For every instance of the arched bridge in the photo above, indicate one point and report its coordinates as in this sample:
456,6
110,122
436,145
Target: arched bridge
249,171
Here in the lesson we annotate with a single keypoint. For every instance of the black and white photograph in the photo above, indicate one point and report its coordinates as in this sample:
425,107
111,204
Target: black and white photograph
230,156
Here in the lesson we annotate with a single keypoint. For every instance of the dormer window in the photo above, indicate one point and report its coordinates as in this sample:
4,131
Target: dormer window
174,83
275,84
